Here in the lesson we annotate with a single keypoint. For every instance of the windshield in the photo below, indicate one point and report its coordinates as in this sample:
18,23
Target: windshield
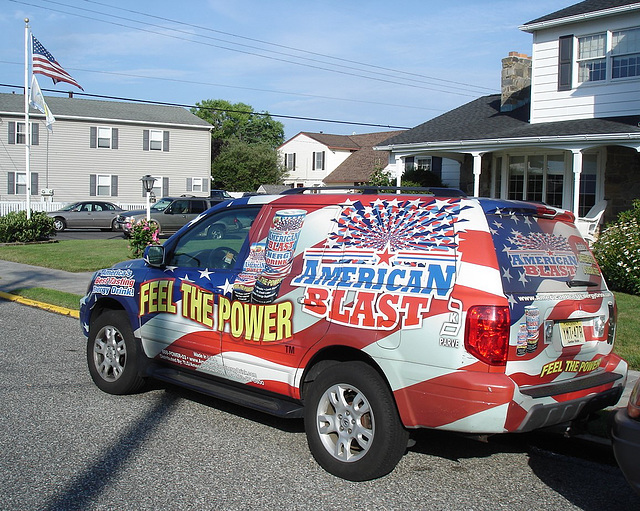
161,205
70,207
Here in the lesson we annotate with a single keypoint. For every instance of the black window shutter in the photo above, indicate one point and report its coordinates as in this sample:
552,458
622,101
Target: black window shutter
92,185
294,161
114,138
189,184
93,137
11,183
35,133
313,164
114,185
322,160
34,183
145,140
12,132
165,140
565,62
165,186
205,185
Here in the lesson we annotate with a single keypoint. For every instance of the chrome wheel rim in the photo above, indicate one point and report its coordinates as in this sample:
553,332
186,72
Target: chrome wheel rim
109,353
345,422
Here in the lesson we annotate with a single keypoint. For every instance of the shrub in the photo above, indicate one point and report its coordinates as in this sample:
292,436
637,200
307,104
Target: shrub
142,234
617,251
15,227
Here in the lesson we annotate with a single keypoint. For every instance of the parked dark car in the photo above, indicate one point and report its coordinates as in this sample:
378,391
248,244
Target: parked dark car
86,215
181,211
129,216
626,439
219,195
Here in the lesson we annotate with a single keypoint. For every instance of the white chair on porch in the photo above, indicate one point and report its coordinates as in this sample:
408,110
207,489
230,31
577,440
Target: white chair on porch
588,225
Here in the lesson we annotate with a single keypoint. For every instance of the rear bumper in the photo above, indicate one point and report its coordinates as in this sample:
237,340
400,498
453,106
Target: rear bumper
544,415
625,437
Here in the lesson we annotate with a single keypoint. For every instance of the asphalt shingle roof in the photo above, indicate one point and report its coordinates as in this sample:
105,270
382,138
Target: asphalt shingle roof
114,110
481,119
588,6
358,167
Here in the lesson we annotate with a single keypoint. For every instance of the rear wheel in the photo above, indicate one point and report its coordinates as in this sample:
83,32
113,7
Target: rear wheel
112,354
352,425
59,224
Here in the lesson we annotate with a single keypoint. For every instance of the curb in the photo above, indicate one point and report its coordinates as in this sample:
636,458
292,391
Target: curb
40,305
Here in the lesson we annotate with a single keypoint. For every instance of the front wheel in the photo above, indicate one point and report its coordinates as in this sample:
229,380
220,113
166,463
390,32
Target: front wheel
59,224
352,424
112,354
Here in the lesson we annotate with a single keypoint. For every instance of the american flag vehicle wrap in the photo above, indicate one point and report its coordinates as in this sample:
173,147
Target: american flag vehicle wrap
482,315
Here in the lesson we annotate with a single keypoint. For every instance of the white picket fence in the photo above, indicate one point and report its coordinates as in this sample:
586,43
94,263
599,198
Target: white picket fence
8,206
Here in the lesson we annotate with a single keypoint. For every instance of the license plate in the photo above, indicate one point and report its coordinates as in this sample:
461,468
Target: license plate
572,333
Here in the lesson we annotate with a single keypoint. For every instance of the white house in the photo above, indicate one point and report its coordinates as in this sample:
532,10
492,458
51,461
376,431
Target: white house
102,149
565,129
311,159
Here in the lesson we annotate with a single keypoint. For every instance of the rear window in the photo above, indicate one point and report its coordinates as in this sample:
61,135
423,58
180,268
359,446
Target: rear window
539,254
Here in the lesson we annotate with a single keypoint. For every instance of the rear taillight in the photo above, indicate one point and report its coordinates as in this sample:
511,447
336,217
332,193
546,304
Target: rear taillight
487,333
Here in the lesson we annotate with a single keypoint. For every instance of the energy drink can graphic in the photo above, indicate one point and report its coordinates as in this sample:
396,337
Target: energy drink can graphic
532,315
281,245
521,348
253,266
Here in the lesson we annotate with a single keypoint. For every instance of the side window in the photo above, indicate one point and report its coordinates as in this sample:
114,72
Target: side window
214,242
103,137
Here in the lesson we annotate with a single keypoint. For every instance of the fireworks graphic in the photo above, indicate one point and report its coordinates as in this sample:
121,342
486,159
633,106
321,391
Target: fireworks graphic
399,225
541,241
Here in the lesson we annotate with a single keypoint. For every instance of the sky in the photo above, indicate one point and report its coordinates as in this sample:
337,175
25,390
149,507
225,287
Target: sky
329,66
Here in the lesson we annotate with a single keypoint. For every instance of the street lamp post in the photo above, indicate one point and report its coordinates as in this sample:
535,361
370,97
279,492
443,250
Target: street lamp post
147,183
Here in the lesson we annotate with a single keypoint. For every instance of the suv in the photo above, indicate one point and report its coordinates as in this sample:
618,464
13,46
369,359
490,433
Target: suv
369,315
219,195
172,216
127,217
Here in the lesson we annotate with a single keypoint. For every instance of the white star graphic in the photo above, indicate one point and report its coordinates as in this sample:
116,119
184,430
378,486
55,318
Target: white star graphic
205,274
506,274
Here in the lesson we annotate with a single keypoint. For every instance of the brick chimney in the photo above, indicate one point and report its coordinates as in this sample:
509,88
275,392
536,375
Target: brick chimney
516,81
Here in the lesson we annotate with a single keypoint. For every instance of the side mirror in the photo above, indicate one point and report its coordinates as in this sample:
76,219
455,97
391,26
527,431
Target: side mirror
154,256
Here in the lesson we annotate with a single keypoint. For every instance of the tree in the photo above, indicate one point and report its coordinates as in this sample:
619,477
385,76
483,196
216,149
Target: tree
242,166
237,121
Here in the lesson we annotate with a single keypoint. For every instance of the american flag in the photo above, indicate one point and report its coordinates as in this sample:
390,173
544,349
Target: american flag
46,64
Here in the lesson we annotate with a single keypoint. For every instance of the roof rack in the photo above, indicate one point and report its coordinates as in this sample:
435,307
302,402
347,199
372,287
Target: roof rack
370,189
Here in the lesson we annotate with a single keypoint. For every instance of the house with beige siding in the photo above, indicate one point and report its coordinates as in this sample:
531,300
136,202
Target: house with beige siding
565,129
102,149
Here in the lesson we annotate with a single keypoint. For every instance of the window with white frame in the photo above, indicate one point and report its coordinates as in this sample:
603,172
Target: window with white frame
290,161
588,183
21,182
17,183
592,62
625,53
155,140
104,137
17,133
196,184
536,177
423,163
103,184
318,160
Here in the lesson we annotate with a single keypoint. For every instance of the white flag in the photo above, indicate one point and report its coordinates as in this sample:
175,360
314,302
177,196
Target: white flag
36,100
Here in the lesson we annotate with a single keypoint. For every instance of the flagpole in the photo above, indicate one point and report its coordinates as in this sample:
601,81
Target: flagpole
27,131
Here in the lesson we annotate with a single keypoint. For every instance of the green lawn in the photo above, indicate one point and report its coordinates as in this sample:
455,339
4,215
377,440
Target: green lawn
91,255
69,255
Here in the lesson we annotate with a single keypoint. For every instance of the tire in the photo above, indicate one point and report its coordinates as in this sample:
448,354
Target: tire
352,424
59,224
113,355
114,224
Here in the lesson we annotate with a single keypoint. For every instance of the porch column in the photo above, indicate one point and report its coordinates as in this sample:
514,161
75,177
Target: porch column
399,168
477,170
577,170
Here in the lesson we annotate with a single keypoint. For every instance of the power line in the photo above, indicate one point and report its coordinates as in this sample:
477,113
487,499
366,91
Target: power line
193,82
264,114
452,82
278,59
